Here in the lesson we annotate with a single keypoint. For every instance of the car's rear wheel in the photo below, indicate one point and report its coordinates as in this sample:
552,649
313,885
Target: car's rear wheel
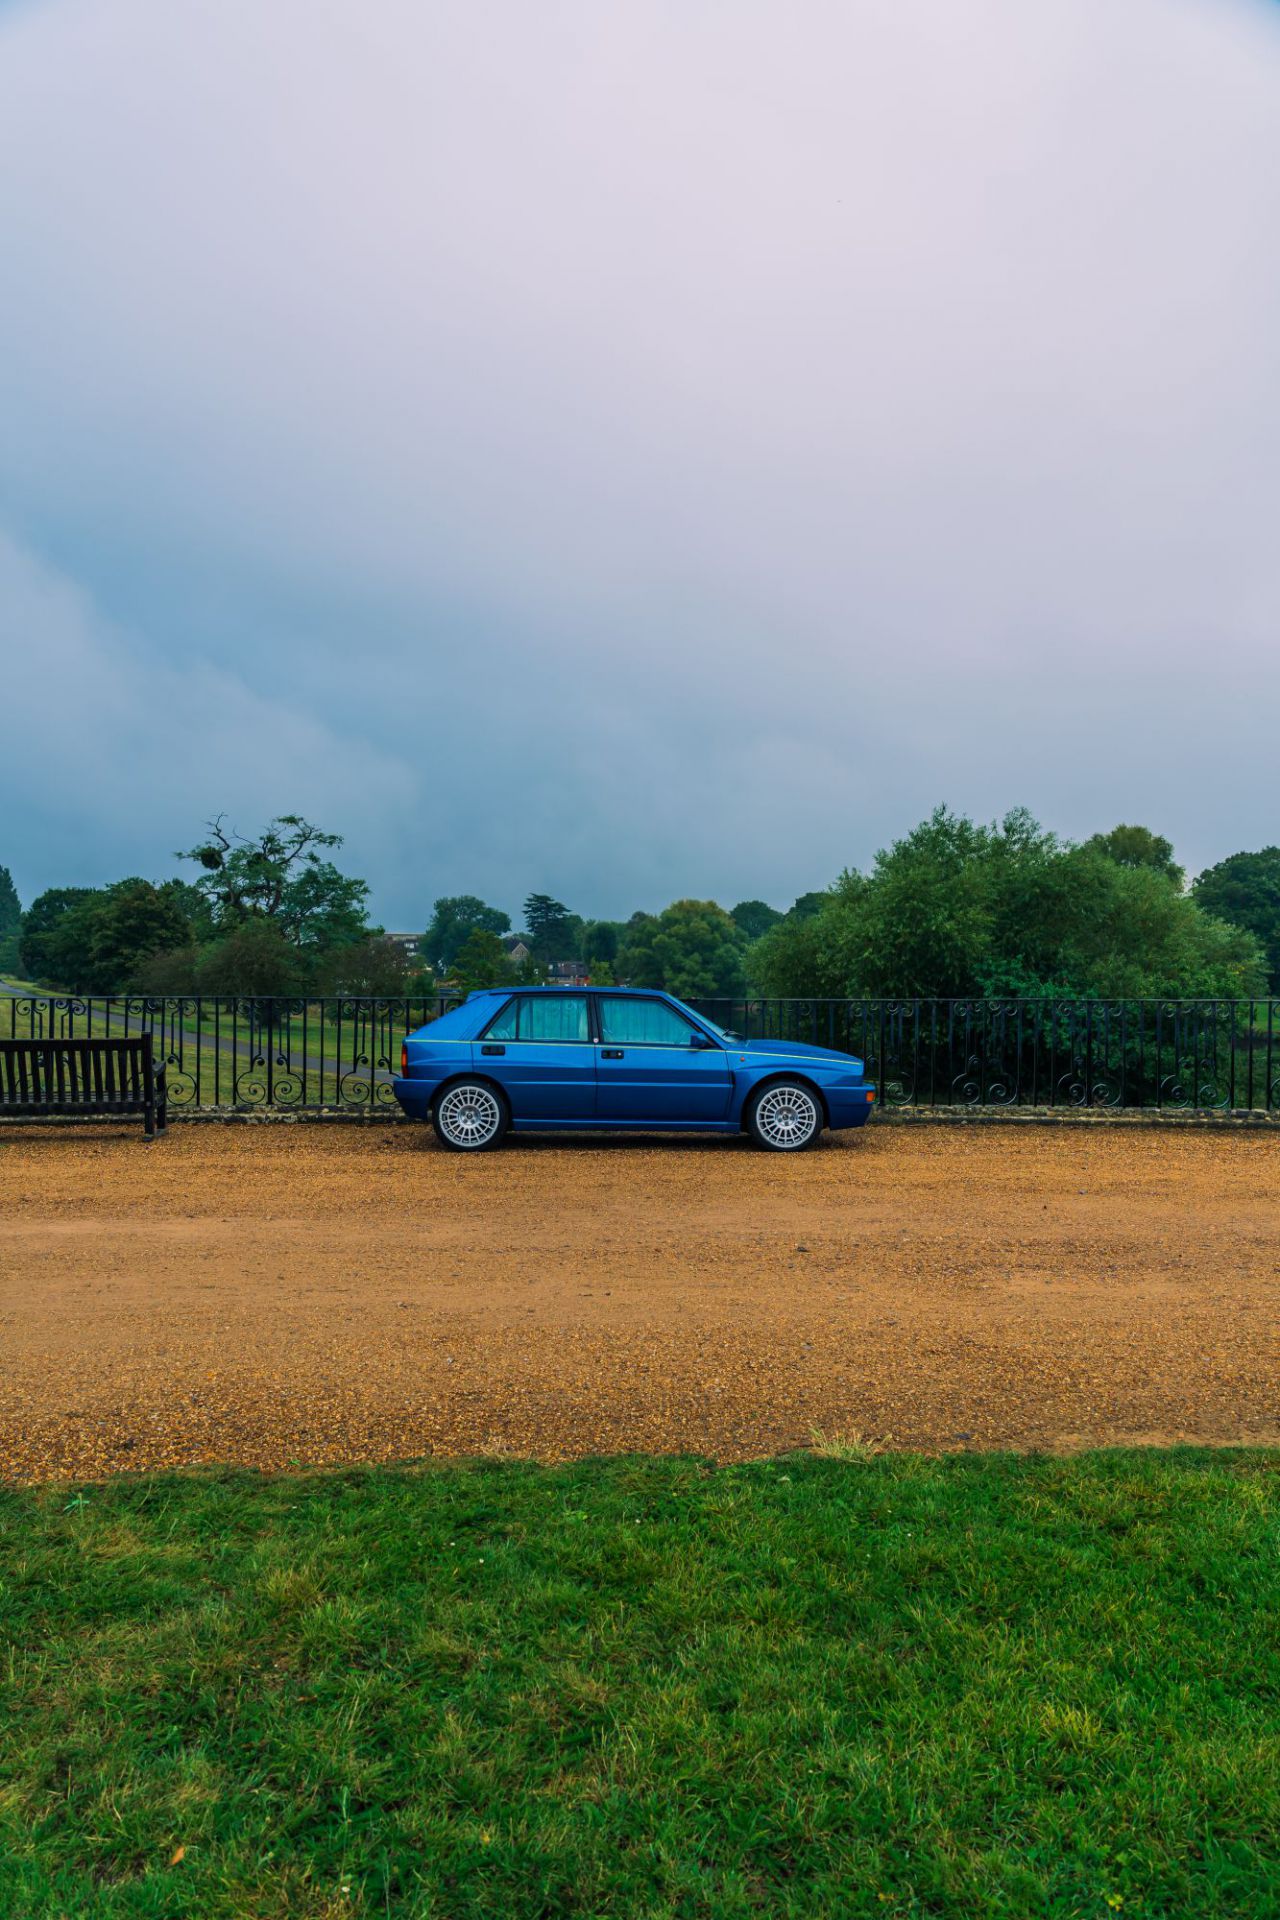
470,1116
785,1116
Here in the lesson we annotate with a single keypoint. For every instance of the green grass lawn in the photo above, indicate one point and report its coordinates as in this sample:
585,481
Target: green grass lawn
967,1686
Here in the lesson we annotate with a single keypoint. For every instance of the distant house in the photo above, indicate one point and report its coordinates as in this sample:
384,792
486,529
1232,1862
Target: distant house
516,948
409,941
568,973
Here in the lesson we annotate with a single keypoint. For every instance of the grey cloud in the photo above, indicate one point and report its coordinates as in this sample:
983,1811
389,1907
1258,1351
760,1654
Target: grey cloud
117,754
656,449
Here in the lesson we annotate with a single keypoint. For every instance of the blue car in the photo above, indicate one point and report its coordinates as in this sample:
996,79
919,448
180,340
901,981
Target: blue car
617,1058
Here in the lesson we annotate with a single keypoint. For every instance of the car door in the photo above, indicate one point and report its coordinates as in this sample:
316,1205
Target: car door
650,1068
539,1049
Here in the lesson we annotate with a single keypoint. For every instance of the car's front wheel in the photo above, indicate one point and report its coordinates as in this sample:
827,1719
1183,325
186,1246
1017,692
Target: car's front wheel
470,1116
786,1116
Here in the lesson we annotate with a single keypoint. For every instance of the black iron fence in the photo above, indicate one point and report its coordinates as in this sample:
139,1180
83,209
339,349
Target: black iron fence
1190,1054
336,1054
340,1054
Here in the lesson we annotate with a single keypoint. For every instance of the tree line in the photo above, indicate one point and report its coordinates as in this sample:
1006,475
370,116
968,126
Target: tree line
954,908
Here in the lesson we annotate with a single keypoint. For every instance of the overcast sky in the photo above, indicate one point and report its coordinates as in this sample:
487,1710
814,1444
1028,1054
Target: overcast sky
635,450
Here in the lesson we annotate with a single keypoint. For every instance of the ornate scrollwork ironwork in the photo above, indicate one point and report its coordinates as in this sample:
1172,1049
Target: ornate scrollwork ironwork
180,1084
967,1084
988,1034
1209,1091
354,1086
1070,1090
1192,1084
251,1084
1171,1092
896,1091
289,1089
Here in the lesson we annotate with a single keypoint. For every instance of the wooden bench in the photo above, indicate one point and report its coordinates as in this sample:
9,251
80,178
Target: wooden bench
89,1079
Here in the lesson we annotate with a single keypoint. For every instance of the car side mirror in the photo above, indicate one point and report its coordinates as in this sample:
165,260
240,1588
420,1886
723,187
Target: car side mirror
701,1041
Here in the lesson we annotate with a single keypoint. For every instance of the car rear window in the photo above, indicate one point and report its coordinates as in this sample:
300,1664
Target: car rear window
542,1016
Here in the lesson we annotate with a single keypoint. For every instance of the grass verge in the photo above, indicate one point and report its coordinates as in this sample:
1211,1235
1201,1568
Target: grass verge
808,1687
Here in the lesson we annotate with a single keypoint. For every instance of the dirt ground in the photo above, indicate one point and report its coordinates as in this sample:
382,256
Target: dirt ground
280,1294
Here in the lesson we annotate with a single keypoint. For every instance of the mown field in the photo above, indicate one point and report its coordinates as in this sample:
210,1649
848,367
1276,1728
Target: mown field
983,1685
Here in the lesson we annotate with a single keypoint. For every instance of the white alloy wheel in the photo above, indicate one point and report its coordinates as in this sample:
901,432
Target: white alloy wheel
469,1117
786,1117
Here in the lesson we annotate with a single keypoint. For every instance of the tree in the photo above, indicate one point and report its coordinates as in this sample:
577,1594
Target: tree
10,921
634,963
553,933
1143,937
789,962
282,877
378,966
1139,847
600,940
455,917
808,906
194,906
920,921
10,905
50,943
482,961
254,959
176,970
124,925
955,910
692,949
1244,891
753,918
95,939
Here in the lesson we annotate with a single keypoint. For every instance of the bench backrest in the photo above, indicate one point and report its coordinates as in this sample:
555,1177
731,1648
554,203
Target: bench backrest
77,1076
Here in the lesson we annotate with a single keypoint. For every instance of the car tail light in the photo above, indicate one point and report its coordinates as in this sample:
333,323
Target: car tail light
404,1059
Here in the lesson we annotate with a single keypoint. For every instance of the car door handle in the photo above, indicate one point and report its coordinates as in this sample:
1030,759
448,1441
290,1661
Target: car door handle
493,1049
611,1053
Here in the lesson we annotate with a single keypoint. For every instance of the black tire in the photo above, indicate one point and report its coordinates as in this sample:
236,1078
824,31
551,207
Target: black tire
785,1116
470,1116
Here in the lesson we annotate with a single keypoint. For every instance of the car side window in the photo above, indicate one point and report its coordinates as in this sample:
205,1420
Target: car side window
641,1023
553,1016
504,1027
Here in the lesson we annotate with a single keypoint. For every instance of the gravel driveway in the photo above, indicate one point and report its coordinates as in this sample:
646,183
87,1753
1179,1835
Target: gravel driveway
272,1294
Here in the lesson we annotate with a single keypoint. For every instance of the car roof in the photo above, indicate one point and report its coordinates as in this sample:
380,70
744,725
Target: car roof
486,993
